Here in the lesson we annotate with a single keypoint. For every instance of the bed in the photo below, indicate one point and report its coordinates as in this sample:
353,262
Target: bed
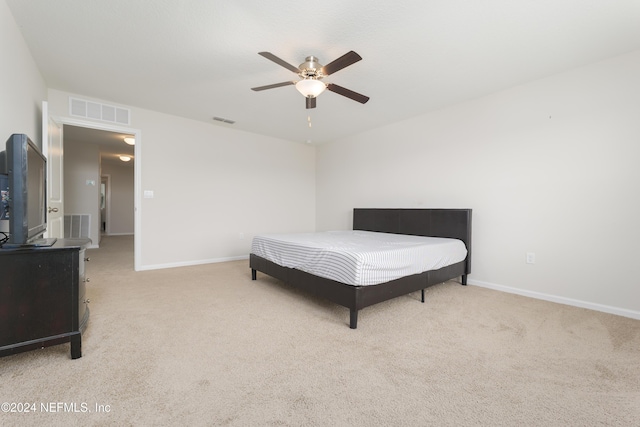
438,223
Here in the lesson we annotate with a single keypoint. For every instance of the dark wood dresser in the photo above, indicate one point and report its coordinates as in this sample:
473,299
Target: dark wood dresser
43,297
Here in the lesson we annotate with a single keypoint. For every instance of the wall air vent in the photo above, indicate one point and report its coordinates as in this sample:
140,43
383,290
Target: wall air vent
77,226
223,120
97,111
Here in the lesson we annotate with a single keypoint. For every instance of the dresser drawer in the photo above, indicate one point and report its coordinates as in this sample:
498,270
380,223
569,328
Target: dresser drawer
83,301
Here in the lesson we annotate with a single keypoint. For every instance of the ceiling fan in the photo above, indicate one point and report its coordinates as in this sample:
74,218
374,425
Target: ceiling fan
311,72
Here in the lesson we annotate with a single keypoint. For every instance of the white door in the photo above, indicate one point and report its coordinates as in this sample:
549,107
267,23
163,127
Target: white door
52,148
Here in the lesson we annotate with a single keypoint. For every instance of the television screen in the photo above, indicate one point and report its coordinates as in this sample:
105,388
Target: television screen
36,192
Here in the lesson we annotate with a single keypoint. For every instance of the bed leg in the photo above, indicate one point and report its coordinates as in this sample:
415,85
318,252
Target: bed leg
423,295
353,319
464,279
253,274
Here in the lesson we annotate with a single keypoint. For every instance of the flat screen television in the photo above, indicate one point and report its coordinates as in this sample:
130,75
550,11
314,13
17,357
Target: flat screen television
26,169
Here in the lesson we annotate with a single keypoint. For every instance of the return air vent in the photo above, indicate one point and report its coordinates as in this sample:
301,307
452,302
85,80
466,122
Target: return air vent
77,226
96,111
223,120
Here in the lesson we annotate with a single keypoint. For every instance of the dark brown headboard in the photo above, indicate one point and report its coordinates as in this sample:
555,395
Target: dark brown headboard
453,223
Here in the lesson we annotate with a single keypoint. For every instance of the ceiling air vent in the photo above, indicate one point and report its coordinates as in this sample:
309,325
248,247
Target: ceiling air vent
223,120
97,111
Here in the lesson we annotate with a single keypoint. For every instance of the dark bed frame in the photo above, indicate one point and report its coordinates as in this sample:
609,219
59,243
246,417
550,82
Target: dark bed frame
453,223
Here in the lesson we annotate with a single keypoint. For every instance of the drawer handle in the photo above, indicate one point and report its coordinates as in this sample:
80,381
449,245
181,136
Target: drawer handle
87,301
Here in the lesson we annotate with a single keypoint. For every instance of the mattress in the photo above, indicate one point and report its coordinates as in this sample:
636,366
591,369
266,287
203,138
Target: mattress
359,258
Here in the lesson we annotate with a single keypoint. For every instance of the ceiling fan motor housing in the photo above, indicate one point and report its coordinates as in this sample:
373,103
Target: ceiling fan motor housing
311,68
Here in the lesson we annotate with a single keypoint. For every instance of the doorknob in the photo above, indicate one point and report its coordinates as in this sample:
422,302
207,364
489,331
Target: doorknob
53,210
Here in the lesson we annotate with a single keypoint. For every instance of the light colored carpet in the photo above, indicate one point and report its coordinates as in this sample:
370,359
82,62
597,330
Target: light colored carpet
206,345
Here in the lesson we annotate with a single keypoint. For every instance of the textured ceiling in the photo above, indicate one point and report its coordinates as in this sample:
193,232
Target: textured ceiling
199,58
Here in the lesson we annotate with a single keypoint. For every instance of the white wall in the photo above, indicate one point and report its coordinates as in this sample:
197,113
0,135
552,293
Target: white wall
82,165
122,197
550,167
22,88
212,185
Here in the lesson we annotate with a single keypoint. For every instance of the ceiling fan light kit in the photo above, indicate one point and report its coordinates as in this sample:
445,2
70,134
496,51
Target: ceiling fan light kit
310,87
311,72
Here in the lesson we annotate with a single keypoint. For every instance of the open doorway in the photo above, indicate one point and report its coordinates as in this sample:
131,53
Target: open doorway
53,134
99,181
105,204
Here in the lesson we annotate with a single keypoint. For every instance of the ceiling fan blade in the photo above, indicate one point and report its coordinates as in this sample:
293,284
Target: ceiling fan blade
272,86
310,103
270,56
348,93
344,61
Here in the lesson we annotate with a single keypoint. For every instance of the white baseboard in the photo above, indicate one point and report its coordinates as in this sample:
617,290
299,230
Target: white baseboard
531,294
560,300
190,263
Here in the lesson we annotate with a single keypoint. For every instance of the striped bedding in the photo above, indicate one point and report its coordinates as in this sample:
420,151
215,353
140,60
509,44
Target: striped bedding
359,258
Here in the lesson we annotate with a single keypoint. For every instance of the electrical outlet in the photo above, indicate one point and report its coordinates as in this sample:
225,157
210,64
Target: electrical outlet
531,258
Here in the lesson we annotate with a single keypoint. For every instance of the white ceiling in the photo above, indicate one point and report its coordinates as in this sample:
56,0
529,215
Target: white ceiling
111,145
199,58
